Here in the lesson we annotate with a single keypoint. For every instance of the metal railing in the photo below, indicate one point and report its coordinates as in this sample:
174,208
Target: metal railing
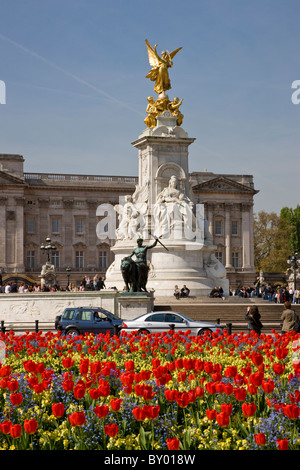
37,326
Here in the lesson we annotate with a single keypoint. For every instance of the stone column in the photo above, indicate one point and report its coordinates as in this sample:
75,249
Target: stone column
43,225
246,234
19,241
3,201
228,235
68,233
91,237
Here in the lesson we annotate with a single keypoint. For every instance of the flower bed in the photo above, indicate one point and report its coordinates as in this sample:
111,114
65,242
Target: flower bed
149,392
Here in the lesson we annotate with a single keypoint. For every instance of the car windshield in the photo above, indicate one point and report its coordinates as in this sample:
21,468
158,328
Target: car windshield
109,314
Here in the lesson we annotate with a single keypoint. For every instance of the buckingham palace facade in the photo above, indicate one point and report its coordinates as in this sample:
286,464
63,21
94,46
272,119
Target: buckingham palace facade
36,206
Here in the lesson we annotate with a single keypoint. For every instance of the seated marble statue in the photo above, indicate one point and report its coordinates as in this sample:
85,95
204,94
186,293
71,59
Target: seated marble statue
172,209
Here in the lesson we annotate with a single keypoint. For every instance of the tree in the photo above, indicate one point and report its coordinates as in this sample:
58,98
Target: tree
291,218
271,242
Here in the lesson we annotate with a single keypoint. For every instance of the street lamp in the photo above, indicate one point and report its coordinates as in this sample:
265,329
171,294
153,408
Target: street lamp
68,270
294,262
48,248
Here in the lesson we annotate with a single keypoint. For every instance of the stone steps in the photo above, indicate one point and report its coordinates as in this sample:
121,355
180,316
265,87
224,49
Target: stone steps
226,311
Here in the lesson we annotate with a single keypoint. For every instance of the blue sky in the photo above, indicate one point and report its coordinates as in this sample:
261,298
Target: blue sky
76,91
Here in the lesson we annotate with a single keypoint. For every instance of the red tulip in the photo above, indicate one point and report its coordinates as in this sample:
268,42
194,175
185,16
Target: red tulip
13,385
226,409
145,374
252,390
257,358
282,444
16,398
39,387
278,368
30,426
170,394
179,363
77,418
111,429
230,371
39,367
291,411
115,403
67,362
5,426
101,411
228,389
240,393
222,419
139,413
151,411
199,391
248,409
211,387
256,378
240,380
5,371
58,409
29,366
281,353
95,393
104,388
68,385
211,414
268,386
129,365
182,399
79,391
95,367
173,444
15,431
260,439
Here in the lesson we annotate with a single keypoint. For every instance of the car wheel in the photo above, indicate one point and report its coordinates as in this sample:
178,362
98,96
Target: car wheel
72,332
203,331
144,331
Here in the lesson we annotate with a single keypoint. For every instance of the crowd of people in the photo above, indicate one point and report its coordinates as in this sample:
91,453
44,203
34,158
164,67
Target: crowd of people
277,294
86,284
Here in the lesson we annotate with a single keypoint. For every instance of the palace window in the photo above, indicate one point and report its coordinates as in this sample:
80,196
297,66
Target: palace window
219,256
234,227
79,226
55,259
218,227
79,259
235,260
102,259
55,225
30,259
31,225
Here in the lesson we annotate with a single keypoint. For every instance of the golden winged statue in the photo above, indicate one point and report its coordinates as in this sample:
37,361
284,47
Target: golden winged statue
159,72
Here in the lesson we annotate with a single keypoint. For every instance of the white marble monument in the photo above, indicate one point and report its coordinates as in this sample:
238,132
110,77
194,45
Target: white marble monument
162,207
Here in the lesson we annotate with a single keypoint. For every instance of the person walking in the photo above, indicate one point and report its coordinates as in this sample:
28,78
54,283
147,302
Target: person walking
253,317
290,319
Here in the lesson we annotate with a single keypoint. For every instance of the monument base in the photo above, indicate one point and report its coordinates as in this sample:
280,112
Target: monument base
133,304
185,263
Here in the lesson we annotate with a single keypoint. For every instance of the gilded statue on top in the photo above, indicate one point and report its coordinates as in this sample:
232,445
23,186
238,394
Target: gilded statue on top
160,75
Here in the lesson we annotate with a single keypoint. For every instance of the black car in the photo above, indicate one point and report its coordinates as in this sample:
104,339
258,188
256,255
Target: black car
80,320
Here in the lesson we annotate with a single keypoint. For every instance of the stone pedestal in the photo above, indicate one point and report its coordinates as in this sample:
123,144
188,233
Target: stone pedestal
133,304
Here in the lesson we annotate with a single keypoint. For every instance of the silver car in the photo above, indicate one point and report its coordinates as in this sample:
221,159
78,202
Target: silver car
154,322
